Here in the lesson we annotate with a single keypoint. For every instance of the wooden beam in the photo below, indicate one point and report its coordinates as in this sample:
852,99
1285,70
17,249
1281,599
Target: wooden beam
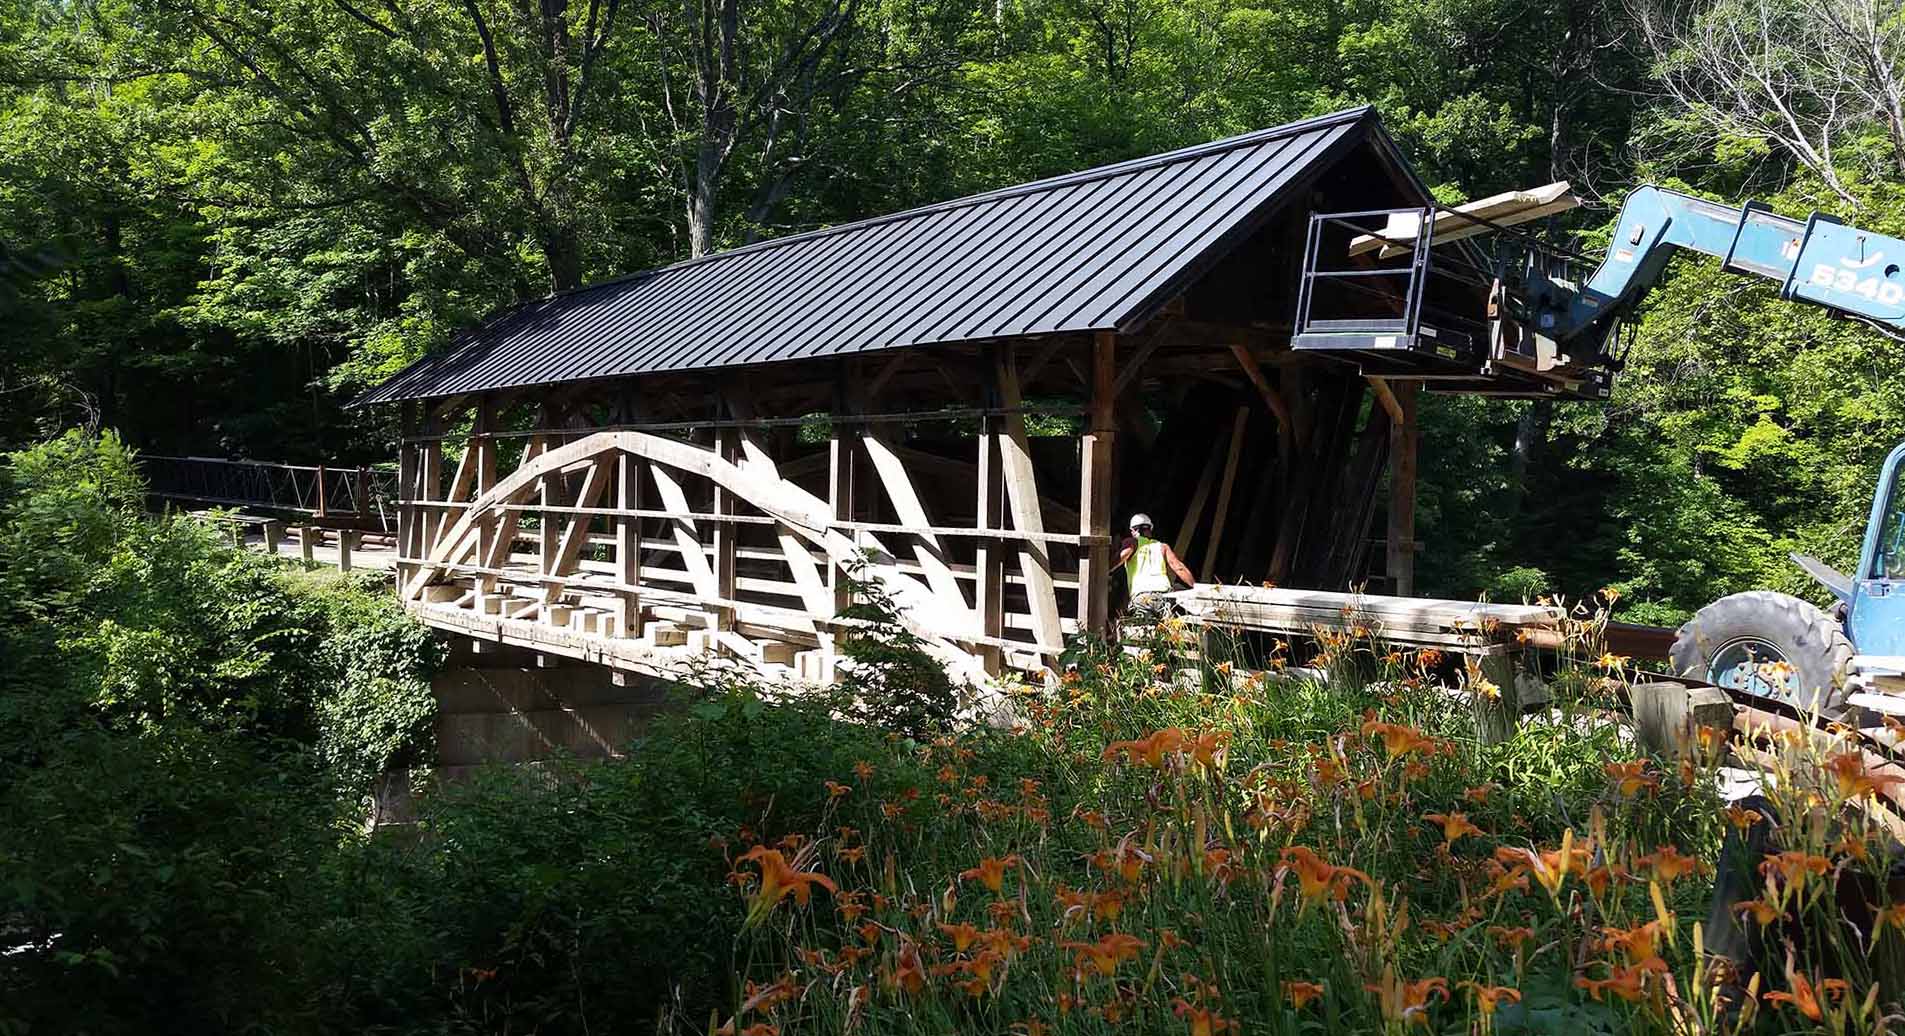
1218,520
801,565
409,542
1286,428
725,533
1021,484
885,373
484,446
989,557
1387,397
460,484
1402,493
687,536
1094,491
431,476
600,474
840,492
628,543
1132,367
1040,359
506,523
908,509
1194,513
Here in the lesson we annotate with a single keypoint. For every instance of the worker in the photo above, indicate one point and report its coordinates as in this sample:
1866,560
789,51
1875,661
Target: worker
1148,567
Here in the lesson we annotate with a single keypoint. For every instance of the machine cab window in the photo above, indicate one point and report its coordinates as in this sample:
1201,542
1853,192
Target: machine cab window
1888,560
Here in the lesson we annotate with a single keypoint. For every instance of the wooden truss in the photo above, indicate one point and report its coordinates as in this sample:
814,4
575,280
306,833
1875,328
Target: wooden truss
625,522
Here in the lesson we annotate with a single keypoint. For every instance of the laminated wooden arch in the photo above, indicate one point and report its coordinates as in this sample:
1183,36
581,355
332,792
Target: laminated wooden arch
479,538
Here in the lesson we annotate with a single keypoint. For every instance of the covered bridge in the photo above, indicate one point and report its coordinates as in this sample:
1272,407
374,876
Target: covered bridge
970,396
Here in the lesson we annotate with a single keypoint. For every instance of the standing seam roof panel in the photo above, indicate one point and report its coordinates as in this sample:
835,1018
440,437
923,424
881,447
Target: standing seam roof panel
884,316
949,239
994,298
806,319
1115,295
752,311
1070,253
1229,206
960,291
938,283
1096,256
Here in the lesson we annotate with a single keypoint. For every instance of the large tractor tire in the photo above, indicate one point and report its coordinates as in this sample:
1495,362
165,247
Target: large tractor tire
1739,643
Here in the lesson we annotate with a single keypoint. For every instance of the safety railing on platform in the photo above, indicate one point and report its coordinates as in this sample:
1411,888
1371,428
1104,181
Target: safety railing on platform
358,496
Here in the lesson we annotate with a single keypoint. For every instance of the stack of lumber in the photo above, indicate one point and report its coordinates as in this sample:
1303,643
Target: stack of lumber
1468,625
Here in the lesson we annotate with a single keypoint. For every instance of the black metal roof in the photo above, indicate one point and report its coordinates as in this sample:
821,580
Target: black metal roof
1088,251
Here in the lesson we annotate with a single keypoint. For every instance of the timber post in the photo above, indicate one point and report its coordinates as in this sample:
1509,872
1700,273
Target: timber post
482,440
988,596
1021,484
1401,566
628,544
725,531
1094,492
430,475
407,525
840,473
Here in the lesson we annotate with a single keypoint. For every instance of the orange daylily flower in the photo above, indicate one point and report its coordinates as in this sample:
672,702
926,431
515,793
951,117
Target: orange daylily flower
1217,864
1510,938
1849,771
863,770
963,935
1669,866
1408,1002
779,879
1207,748
1454,825
1637,942
1479,794
1794,866
1005,943
1126,860
1549,868
1092,818
909,973
1301,993
1203,1021
1397,739
1599,878
1625,983
1318,876
1489,997
1107,953
1149,750
835,789
1764,913
1803,998
1631,777
1742,818
991,871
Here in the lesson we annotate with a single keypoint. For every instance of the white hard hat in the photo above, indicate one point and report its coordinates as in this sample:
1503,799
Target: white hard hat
1140,519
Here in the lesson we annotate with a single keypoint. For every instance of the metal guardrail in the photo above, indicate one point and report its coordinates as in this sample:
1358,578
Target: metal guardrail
357,496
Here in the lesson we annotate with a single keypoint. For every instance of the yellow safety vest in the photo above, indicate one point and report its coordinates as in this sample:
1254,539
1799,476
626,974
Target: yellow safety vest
1144,570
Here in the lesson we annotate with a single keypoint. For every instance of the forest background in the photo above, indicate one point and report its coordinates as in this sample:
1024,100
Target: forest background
221,220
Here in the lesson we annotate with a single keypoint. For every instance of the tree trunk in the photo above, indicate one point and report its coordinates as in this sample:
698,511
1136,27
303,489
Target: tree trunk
701,200
563,247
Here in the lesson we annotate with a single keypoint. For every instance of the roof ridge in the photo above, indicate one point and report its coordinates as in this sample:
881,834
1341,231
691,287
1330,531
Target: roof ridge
1103,172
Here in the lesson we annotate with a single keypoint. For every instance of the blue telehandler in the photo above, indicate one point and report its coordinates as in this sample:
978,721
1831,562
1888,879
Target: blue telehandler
1396,297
